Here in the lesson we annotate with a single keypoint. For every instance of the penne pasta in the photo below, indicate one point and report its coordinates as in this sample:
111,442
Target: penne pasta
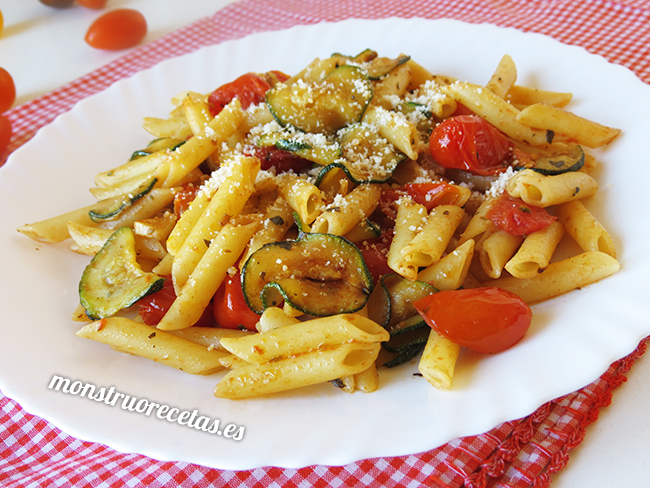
129,336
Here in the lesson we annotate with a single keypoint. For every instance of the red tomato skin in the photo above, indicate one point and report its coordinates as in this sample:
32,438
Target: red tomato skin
7,90
487,320
184,198
94,4
470,143
6,132
117,29
433,194
375,255
249,88
229,307
57,3
281,160
153,307
516,217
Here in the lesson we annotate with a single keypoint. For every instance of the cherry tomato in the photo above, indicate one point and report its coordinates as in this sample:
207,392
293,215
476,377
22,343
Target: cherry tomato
486,320
250,89
117,29
6,132
433,194
57,3
230,309
462,110
184,198
153,307
7,90
96,4
375,254
282,161
516,217
469,143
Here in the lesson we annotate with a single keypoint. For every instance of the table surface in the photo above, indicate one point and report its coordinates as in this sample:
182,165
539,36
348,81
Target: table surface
615,449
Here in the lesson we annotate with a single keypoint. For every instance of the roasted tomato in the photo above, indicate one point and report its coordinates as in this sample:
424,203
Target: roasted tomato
184,198
469,143
433,194
250,89
487,320
153,307
230,309
375,254
516,217
281,160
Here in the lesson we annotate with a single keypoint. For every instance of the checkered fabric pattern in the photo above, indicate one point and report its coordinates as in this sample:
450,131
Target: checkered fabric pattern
517,454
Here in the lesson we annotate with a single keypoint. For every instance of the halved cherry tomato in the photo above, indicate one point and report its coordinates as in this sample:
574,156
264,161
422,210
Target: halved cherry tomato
5,133
433,194
7,90
153,307
249,88
486,320
375,254
516,217
95,4
470,143
282,161
117,29
230,309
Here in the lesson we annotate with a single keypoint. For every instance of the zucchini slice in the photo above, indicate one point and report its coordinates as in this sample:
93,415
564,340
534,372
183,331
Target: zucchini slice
114,280
114,208
157,145
317,274
392,301
340,99
364,56
313,149
559,163
366,156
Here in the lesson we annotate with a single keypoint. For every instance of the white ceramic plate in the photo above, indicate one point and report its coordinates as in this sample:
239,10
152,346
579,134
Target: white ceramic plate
573,339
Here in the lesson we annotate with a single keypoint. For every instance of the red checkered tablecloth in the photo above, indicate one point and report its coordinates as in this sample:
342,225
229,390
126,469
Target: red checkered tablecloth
520,453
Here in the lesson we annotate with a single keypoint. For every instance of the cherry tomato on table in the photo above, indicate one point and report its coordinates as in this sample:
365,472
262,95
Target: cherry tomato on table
470,143
96,4
57,3
230,308
516,217
117,29
5,133
487,320
7,90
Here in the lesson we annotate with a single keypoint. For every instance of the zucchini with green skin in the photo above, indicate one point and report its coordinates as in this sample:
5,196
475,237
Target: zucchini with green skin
571,160
340,99
114,207
157,145
366,156
391,303
317,274
321,152
114,280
